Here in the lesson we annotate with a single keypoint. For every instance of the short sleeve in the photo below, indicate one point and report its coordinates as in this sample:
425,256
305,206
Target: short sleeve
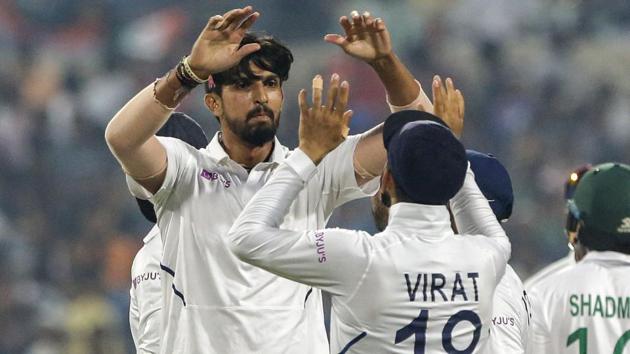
178,156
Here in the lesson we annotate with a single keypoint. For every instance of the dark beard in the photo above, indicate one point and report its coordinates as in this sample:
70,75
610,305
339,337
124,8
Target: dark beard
380,213
257,134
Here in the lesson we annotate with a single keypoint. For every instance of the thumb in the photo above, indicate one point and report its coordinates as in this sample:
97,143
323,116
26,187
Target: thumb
336,39
347,116
246,50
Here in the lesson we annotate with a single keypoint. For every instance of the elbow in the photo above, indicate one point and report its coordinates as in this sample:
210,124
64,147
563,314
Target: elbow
113,138
236,243
117,141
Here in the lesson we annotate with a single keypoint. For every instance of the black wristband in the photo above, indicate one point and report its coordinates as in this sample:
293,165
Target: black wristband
183,77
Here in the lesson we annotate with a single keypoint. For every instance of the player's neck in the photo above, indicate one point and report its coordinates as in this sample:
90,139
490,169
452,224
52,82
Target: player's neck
243,153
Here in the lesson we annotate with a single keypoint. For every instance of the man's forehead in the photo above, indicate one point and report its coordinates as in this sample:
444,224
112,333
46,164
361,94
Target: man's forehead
258,71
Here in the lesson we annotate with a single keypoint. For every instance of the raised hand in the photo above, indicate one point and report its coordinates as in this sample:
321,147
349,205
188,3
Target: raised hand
448,104
365,38
324,126
217,47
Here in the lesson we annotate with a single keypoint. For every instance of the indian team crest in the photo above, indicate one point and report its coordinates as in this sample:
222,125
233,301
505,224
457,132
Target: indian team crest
624,228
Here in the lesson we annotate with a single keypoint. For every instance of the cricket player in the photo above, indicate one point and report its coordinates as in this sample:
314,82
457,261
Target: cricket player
145,292
510,306
586,309
413,288
567,262
213,302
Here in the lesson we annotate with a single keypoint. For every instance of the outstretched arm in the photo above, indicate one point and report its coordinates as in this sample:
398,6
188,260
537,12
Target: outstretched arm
368,40
131,133
311,257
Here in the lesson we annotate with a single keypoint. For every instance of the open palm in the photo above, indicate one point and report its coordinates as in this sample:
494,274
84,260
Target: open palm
217,47
365,38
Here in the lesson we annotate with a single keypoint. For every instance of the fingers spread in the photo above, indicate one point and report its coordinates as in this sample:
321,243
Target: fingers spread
379,24
368,19
356,18
302,102
318,87
342,97
213,22
234,18
249,21
247,49
239,19
336,39
332,91
346,25
460,103
347,117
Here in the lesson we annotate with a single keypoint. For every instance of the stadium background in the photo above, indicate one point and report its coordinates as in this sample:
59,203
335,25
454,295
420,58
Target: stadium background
547,84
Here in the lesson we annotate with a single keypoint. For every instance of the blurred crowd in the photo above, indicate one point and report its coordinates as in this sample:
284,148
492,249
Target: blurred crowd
546,82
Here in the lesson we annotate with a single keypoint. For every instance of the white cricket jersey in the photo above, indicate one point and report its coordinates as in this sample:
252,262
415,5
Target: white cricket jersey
415,285
510,316
213,302
556,267
146,295
585,309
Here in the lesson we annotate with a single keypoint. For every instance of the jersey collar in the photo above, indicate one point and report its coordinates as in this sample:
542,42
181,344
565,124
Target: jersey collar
216,151
431,221
610,258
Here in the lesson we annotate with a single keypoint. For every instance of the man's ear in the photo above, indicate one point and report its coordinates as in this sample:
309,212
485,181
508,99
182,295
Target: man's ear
214,103
388,184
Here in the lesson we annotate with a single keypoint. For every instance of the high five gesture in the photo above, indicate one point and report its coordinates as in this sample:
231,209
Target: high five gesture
365,38
217,47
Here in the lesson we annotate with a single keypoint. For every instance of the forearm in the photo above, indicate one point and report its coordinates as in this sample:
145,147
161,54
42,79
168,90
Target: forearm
264,213
400,85
473,214
144,114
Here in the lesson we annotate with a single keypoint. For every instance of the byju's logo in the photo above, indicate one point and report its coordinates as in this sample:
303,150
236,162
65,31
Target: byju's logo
213,176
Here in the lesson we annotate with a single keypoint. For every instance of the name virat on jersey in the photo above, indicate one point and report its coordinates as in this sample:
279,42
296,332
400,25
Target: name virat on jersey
438,287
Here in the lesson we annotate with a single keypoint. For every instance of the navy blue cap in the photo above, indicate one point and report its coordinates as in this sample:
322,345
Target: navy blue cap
428,163
493,181
182,127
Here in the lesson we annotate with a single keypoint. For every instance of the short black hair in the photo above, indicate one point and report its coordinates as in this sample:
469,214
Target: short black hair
273,56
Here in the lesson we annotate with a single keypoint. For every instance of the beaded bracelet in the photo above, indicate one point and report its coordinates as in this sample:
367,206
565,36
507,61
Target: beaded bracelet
186,76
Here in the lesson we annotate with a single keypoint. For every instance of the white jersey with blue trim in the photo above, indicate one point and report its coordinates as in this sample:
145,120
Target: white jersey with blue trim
146,295
415,287
213,302
511,316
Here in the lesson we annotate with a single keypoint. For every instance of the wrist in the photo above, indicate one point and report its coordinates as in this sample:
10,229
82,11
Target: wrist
383,62
198,71
313,153
169,91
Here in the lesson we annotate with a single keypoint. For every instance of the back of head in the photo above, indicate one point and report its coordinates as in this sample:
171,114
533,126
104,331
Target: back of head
428,163
602,205
273,56
494,182
182,127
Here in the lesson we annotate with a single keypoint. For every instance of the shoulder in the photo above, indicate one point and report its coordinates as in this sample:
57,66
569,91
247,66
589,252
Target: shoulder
558,266
556,284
